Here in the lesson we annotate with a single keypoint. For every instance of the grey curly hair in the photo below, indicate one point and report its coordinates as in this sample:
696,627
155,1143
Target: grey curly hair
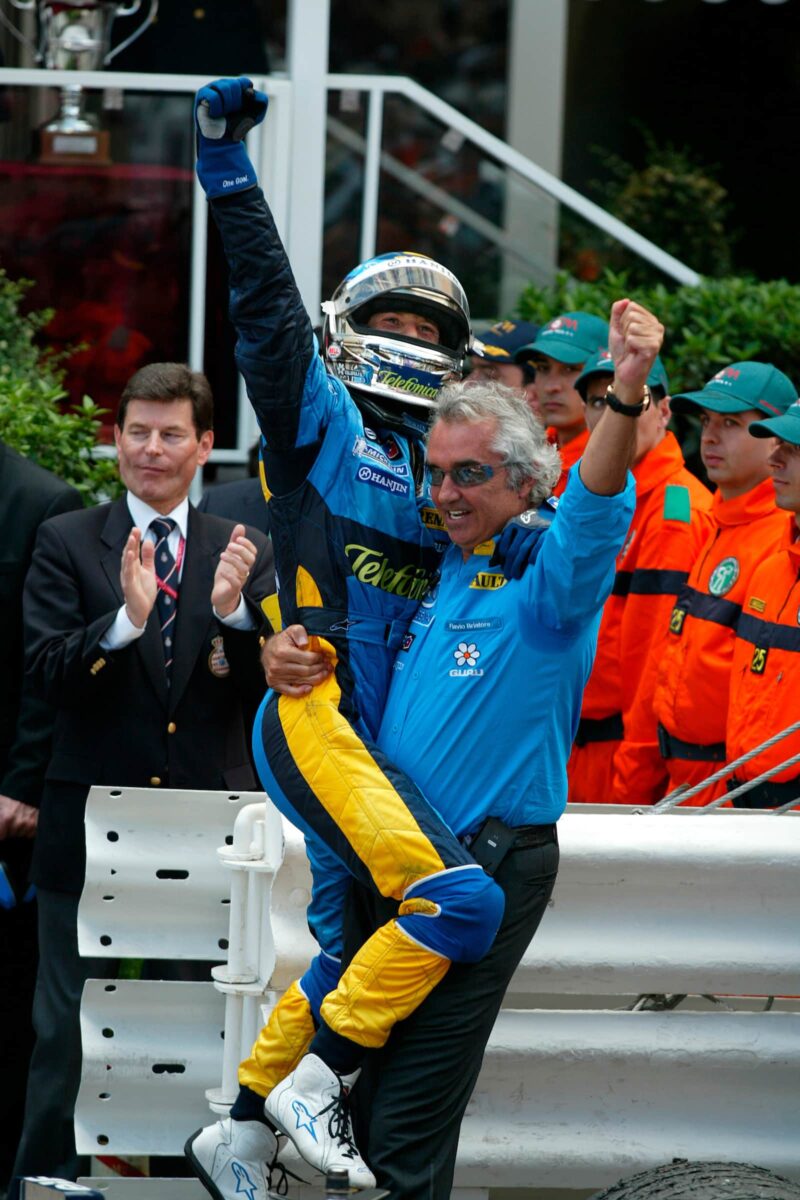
520,440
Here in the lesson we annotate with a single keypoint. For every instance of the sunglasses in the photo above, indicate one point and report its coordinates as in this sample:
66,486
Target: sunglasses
464,475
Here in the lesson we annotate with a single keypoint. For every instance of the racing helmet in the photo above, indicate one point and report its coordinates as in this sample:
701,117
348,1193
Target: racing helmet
382,366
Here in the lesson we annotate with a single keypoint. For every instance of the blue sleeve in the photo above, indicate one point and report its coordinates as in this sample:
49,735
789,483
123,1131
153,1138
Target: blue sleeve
292,395
574,573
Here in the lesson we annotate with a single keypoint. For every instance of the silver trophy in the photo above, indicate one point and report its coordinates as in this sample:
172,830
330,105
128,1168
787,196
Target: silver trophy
76,36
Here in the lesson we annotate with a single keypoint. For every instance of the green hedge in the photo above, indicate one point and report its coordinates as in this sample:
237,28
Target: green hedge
20,355
718,322
32,419
33,422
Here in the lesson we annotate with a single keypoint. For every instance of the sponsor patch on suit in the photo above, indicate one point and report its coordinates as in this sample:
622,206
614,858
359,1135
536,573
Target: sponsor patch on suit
485,581
387,481
217,662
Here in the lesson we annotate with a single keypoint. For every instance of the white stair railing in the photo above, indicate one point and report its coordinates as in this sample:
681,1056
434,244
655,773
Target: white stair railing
377,87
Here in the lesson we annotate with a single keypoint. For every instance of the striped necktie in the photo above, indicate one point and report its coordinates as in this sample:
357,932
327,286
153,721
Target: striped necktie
167,595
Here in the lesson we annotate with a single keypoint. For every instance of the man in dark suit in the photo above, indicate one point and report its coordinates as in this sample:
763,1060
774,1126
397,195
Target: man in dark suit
28,496
142,625
241,500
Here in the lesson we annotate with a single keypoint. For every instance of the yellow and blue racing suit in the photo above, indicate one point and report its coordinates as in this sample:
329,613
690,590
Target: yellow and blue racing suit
357,546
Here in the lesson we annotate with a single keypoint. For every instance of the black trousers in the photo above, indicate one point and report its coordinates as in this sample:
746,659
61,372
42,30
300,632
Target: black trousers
47,1146
18,959
411,1097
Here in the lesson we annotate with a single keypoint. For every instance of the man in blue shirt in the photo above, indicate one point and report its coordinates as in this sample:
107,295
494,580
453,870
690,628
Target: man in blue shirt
458,721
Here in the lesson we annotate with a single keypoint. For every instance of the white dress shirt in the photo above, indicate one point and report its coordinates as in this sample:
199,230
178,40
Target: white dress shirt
123,631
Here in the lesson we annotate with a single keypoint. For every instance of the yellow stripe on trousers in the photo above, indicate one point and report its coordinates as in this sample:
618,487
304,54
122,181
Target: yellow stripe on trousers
281,1043
391,974
352,789
387,979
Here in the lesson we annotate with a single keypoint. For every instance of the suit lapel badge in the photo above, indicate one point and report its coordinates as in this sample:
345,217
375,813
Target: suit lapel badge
217,662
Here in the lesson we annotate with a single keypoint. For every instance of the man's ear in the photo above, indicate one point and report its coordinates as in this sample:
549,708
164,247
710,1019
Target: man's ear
524,492
205,443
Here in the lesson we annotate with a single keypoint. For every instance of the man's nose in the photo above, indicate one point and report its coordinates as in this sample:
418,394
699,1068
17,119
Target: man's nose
447,489
153,444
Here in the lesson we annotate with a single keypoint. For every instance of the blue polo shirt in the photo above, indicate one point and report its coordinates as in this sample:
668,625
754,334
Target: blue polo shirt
486,692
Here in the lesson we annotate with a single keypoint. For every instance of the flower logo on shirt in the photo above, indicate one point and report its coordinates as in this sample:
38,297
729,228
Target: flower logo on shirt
467,654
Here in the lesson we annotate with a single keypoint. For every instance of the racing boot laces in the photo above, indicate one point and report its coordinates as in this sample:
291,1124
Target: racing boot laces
310,1106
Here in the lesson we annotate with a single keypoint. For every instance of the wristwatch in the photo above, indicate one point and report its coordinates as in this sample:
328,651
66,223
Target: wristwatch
628,410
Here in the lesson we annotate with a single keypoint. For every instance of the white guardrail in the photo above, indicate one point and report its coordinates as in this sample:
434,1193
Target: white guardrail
576,1089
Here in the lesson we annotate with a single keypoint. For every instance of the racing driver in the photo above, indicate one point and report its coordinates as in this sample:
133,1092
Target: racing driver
357,545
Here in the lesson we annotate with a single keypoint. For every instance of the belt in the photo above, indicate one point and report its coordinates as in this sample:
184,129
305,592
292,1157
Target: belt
519,837
490,845
766,794
672,747
605,729
533,835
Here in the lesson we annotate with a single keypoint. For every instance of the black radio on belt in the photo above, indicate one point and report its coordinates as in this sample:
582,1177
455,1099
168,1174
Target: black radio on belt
491,844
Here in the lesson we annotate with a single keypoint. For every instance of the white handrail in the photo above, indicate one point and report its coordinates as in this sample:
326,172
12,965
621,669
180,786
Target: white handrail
509,157
415,182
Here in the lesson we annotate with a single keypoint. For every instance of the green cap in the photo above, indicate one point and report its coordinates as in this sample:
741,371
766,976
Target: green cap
739,387
786,427
602,363
571,338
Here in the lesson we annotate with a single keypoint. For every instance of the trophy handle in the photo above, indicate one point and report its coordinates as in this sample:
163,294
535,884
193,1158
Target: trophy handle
128,10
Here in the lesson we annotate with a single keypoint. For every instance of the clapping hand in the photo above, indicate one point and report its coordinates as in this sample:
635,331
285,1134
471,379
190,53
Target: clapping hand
235,564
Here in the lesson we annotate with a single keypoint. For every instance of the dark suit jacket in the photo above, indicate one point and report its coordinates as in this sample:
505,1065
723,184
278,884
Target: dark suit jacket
242,500
28,496
117,721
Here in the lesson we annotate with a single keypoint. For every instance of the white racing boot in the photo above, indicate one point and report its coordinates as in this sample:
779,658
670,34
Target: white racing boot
310,1107
233,1159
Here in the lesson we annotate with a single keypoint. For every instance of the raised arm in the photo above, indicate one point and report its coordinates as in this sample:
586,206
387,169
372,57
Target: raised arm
275,343
634,339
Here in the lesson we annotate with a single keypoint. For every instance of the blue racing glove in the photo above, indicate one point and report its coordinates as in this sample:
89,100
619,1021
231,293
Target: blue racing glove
224,111
517,548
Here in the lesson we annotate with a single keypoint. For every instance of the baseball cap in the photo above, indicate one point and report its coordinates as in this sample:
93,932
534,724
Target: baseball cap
502,341
602,363
786,427
739,387
571,338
